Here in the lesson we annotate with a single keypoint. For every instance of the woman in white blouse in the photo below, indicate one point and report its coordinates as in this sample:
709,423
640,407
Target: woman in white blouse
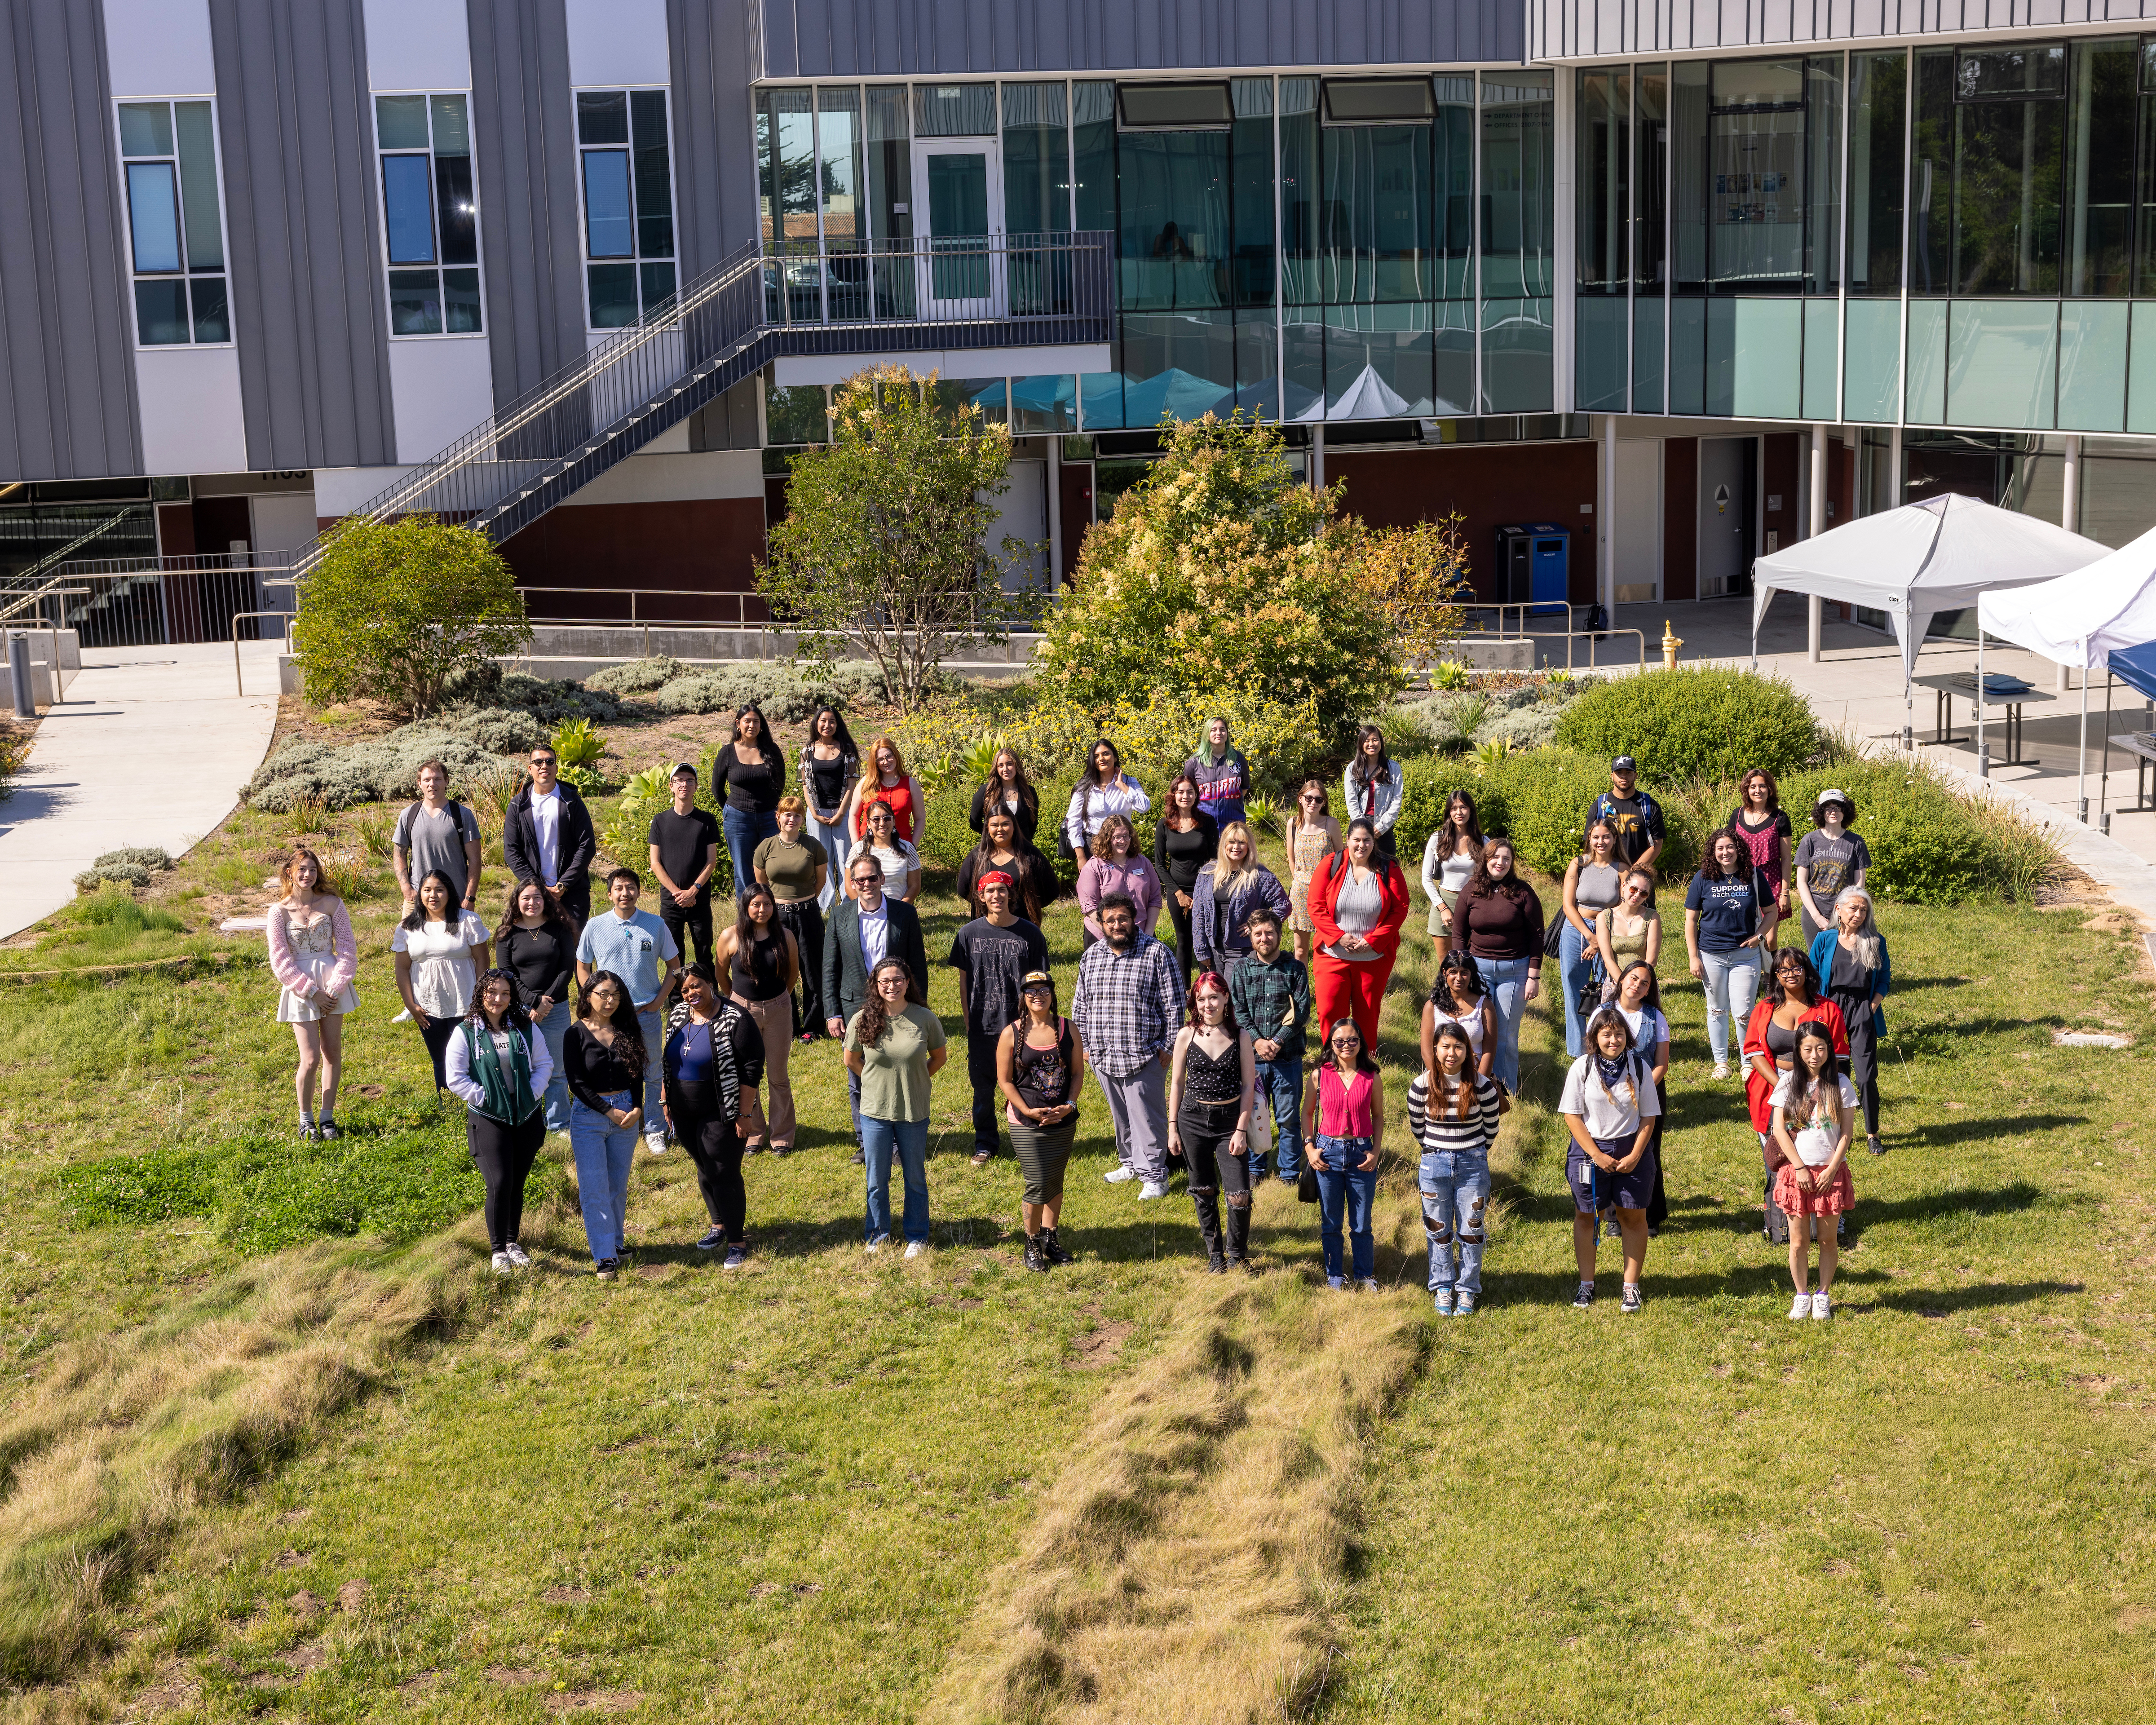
1106,790
901,861
440,949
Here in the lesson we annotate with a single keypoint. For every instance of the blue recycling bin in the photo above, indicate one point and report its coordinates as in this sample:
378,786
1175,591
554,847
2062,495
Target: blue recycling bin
1534,564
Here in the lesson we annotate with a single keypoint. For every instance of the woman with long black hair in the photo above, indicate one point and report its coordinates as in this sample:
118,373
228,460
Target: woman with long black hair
750,774
1005,850
762,963
1499,921
1447,861
536,946
1041,1067
830,765
1008,789
498,1067
714,1057
1372,785
1104,790
1458,997
1212,1078
441,948
1184,839
606,1058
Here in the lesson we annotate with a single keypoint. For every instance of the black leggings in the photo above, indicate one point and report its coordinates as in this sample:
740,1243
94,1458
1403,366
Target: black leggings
1864,1065
504,1154
435,1033
1186,954
716,1148
806,921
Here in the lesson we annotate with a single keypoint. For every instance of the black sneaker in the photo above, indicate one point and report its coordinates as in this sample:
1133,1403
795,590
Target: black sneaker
1216,1264
308,1131
713,1241
860,1160
607,1268
1584,1296
1631,1300
1051,1249
328,1131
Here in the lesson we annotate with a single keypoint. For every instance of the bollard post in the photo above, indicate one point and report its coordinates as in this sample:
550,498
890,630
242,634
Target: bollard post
19,675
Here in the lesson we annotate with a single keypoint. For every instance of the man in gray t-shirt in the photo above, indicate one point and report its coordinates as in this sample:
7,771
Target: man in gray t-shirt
435,833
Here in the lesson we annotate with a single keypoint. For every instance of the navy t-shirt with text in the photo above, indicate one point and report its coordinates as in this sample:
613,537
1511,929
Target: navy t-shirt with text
1729,910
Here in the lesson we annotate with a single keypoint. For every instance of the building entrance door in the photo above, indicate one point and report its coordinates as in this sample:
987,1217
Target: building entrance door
957,186
1727,465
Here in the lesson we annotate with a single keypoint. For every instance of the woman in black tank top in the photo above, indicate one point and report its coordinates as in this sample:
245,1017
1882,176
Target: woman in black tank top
1041,1085
761,963
1210,1083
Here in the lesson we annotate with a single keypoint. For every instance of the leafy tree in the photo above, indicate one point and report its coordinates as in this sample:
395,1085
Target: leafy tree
1419,575
394,610
883,546
1221,571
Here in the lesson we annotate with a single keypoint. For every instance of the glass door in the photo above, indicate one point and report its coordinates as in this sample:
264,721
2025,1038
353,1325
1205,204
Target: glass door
957,182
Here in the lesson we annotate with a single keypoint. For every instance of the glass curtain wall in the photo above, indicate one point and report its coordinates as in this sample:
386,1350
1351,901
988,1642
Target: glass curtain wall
1602,134
1878,163
1650,209
1518,197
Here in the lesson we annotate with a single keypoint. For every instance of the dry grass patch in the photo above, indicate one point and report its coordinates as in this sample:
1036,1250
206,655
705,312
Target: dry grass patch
1195,1555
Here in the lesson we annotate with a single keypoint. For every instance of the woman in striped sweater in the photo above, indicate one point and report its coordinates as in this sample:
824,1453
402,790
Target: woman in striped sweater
1452,1113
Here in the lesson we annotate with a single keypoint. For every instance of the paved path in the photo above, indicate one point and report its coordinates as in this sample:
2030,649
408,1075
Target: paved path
1857,686
151,748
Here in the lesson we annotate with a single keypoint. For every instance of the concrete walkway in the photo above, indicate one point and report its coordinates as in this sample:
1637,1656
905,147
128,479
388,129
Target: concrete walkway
151,748
1856,687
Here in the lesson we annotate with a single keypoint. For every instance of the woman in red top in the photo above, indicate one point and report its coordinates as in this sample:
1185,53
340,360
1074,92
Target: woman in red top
1770,1042
885,779
1358,904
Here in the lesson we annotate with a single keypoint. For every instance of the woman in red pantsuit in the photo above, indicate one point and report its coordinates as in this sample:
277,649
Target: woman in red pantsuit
1358,904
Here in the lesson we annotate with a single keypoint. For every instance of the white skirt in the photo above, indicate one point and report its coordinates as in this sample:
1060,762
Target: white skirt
292,1009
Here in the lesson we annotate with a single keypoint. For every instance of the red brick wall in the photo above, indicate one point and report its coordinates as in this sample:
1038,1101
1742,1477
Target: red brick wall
1680,518
1490,488
703,550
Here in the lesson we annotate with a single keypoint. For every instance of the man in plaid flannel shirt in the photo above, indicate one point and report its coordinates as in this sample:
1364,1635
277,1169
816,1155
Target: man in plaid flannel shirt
1127,1007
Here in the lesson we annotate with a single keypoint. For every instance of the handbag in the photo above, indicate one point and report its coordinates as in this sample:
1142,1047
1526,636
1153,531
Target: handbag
1552,938
1590,997
1305,1188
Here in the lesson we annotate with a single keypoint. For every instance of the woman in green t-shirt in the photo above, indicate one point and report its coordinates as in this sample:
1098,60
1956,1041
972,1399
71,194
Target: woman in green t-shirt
895,1049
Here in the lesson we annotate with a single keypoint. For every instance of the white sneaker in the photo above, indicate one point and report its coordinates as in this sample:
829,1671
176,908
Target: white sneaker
503,1263
874,1245
1153,1188
1822,1307
915,1248
1117,1176
1368,1285
1721,1071
1801,1306
518,1256
655,1144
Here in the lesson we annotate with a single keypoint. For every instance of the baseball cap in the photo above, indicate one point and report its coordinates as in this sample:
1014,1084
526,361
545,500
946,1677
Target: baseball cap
1624,763
682,769
1035,979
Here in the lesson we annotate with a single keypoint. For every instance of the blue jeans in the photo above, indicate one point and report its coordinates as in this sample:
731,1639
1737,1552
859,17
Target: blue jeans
1731,984
1575,958
744,832
655,1071
1504,980
1280,1083
603,1152
554,1028
1339,1182
1455,1191
909,1139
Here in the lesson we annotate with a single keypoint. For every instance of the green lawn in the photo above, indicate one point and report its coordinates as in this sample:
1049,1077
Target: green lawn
802,1491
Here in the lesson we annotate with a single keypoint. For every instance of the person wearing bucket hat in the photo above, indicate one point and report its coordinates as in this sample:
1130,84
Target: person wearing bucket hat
1634,816
1829,859
992,955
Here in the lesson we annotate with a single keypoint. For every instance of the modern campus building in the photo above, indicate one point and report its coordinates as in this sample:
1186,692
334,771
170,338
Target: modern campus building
1683,281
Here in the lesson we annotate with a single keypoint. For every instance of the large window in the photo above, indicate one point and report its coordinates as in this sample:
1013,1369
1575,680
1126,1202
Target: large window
628,184
175,224
429,213
1877,154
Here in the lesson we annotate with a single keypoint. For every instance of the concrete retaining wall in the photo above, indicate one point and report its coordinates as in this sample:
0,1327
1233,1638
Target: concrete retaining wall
47,685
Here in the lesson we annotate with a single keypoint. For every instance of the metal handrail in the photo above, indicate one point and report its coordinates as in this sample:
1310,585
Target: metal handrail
611,400
239,685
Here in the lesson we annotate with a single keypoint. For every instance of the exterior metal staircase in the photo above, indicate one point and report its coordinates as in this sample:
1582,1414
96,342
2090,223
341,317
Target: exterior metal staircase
725,326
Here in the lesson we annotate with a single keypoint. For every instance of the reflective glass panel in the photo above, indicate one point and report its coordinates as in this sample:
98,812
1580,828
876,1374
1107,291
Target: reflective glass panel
1299,191
609,225
407,204
654,183
1519,201
602,116
1603,138
161,312
1378,362
415,302
2092,363
1517,345
212,316
1871,366
613,295
146,128
1173,188
1250,140
2100,168
2002,364
198,199
153,214
1877,97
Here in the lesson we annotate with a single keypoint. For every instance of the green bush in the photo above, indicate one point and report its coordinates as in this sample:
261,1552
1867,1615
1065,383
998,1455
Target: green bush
785,695
1694,722
1538,800
152,857
638,676
1931,843
394,610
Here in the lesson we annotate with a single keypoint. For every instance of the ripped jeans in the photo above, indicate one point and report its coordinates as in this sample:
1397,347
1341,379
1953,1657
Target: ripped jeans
1455,1191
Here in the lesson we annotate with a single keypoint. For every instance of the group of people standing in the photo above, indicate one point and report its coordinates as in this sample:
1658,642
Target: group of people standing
557,1021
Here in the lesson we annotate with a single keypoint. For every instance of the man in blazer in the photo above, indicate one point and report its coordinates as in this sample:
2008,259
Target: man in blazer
546,836
865,929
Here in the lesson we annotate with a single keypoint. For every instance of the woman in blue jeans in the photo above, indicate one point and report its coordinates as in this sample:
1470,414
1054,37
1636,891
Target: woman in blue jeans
749,773
1452,1114
1343,1121
1591,886
895,1049
1729,921
606,1057
1498,919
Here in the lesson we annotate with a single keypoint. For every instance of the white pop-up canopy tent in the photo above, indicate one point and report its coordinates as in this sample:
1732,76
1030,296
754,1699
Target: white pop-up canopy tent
1915,561
2103,607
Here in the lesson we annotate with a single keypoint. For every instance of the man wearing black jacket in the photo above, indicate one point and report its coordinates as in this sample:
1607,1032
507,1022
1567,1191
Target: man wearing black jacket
864,930
546,836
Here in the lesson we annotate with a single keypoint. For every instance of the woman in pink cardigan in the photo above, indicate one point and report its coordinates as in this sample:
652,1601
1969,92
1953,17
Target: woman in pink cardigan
1117,865
313,956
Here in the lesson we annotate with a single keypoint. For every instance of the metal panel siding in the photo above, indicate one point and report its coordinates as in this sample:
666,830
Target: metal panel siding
716,46
524,136
857,38
67,372
310,311
1594,29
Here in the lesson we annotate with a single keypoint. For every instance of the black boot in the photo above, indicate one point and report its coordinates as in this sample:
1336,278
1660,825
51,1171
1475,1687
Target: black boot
1051,1249
1239,1235
1208,1206
1035,1259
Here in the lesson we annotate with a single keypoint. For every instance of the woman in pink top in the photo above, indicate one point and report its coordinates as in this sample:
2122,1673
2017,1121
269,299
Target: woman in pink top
1117,865
313,956
1343,1121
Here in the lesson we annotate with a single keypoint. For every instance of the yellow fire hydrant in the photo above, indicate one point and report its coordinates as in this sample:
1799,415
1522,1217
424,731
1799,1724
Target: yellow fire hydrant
1671,643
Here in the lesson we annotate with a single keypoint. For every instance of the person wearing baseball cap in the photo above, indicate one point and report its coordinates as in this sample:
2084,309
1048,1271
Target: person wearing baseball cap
992,955
1829,859
1635,816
